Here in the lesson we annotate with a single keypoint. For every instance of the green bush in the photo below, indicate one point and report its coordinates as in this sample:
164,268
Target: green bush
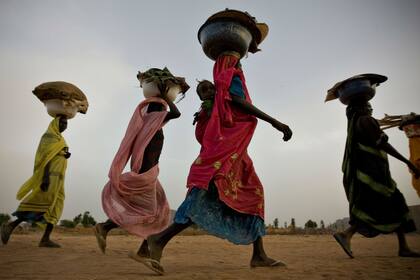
4,218
67,224
311,224
88,220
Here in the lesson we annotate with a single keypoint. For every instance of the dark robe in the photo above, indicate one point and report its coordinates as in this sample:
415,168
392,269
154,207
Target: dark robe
376,204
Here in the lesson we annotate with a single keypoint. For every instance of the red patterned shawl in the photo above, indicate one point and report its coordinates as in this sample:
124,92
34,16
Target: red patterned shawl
224,139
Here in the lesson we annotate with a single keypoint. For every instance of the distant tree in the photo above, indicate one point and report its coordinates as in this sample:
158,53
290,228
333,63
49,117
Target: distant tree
4,218
310,224
276,223
88,220
322,224
77,219
332,226
292,224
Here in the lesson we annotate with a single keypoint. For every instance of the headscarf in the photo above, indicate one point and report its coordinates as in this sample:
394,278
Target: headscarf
52,142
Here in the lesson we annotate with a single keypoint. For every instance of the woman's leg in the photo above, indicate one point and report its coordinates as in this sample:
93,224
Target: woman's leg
144,249
259,257
404,250
108,225
101,232
45,240
7,229
344,239
150,251
157,242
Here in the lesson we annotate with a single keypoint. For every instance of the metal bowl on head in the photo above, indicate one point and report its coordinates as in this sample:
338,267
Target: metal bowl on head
361,89
362,86
224,36
231,31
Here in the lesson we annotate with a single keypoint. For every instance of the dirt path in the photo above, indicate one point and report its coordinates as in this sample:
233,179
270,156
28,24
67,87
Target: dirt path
206,257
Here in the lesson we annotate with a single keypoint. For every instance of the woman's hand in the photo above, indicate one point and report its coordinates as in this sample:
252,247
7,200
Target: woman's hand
163,92
67,154
287,132
414,170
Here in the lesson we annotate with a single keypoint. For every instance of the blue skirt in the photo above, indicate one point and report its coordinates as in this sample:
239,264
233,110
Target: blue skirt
205,209
29,216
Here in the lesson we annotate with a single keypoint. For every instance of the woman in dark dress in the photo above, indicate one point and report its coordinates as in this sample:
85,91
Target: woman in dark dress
376,204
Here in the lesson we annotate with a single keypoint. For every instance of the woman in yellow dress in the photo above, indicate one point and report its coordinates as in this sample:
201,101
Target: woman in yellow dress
42,195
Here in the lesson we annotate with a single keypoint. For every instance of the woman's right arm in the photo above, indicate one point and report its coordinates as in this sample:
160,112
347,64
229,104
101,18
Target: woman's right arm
173,113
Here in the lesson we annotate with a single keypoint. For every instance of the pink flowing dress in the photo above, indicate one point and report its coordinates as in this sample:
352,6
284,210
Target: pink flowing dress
137,202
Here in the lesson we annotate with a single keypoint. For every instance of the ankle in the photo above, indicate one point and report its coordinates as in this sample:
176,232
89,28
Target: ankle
346,235
104,230
259,255
404,249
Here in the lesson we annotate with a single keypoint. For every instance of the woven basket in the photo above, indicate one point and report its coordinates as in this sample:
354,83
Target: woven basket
62,91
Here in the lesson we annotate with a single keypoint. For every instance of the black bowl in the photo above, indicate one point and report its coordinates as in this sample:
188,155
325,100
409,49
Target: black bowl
224,36
356,89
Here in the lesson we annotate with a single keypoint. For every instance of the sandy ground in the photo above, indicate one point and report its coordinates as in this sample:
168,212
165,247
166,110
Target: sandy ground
207,257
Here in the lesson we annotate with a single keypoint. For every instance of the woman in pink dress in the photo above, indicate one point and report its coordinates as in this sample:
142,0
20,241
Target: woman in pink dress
135,200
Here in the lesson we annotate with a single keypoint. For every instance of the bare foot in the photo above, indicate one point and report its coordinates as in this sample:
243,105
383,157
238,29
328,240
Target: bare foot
155,253
408,254
264,261
148,262
344,243
49,244
100,237
6,231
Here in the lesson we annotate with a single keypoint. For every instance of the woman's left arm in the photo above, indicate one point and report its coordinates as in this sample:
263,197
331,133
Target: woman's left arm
389,149
252,110
46,178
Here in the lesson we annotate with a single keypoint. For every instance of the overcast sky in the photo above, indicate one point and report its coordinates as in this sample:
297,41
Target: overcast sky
100,45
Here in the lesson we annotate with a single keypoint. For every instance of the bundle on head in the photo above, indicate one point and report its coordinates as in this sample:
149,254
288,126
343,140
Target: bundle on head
62,98
157,82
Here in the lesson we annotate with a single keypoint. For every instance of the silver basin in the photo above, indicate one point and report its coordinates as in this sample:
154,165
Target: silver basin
224,36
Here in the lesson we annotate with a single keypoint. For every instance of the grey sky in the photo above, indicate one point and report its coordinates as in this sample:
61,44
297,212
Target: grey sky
100,46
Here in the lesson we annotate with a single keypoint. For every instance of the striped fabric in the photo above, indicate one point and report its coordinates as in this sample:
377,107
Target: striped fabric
376,204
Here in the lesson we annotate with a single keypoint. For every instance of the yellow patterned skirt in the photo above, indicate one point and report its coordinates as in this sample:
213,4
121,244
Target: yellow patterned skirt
51,202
